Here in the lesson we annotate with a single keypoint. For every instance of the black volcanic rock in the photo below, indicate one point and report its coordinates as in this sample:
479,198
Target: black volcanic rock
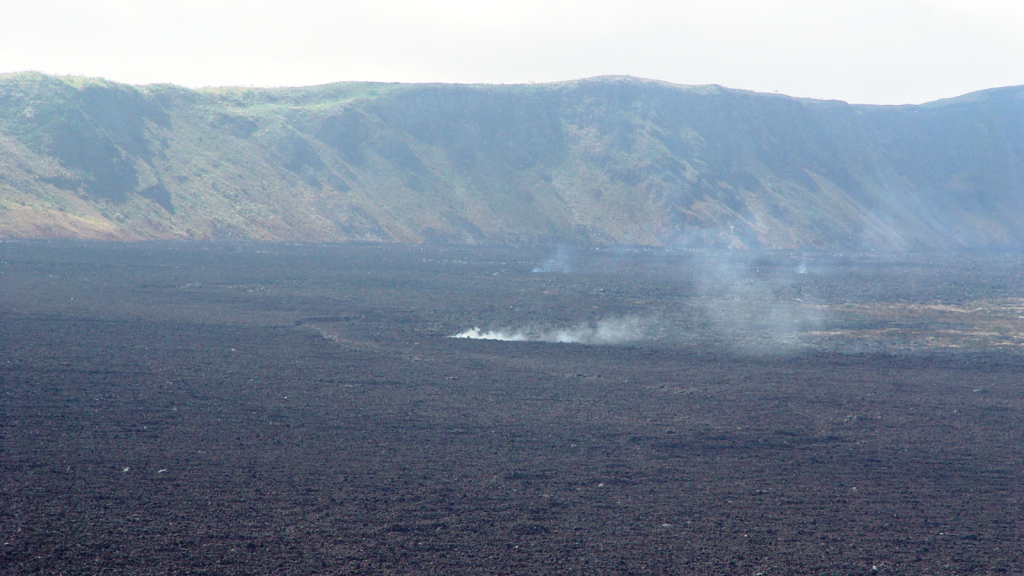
613,160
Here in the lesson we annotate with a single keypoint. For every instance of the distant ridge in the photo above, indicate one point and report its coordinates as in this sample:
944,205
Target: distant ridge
608,160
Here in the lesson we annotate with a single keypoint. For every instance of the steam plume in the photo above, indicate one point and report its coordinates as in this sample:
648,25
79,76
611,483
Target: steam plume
607,331
750,309
557,263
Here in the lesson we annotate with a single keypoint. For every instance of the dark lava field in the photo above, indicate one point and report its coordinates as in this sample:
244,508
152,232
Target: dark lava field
173,408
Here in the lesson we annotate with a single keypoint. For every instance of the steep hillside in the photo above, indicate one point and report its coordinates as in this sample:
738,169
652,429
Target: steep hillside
605,161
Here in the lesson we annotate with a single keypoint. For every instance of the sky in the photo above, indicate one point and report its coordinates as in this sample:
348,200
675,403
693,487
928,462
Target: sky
861,51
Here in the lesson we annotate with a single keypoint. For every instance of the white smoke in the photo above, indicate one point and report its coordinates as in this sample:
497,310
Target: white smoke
559,262
602,332
750,309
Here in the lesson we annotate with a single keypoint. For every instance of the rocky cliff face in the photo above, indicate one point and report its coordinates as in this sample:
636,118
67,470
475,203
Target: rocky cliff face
601,161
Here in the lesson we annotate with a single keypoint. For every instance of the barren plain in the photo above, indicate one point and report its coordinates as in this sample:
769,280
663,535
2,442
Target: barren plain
304,409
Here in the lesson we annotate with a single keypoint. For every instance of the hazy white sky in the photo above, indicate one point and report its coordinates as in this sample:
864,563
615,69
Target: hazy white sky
871,51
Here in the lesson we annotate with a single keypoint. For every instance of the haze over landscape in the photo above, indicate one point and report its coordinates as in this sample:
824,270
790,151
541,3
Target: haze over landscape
614,160
660,144
527,287
867,52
